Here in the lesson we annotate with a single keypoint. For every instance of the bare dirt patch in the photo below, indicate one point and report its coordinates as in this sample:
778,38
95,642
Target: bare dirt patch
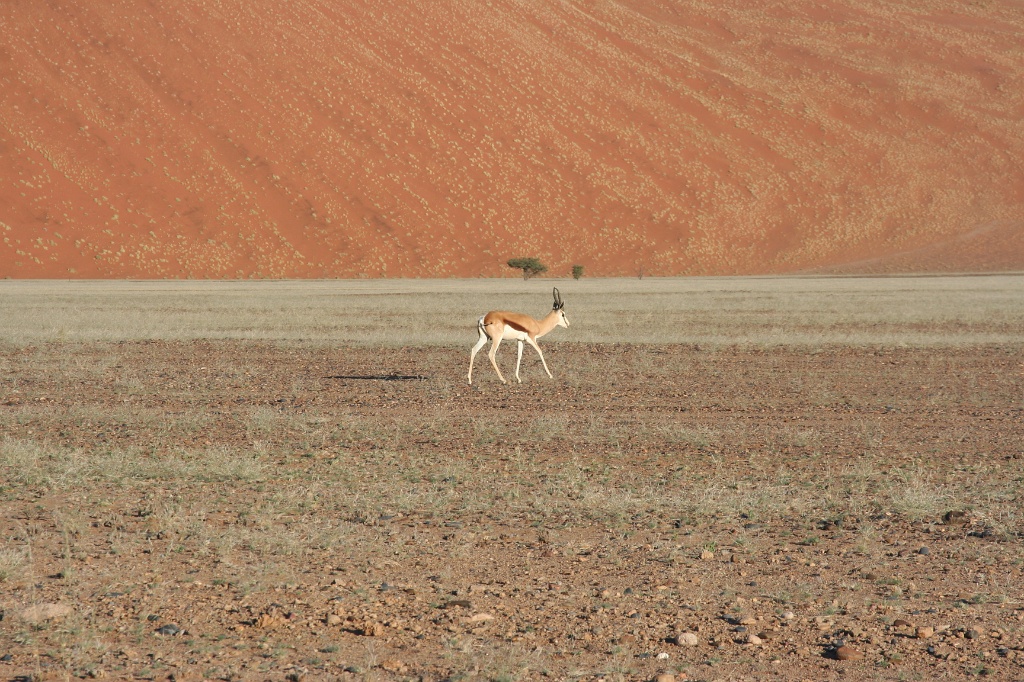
233,510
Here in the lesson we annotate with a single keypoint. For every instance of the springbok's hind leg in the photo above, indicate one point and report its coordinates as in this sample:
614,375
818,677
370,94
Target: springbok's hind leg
519,359
494,363
476,349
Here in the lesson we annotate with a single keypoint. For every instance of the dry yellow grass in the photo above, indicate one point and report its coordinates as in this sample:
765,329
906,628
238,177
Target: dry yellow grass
915,311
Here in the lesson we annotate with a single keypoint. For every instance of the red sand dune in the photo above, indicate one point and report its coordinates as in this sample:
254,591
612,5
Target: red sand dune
345,138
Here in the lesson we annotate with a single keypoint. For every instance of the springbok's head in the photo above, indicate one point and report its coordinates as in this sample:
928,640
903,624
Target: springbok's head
563,321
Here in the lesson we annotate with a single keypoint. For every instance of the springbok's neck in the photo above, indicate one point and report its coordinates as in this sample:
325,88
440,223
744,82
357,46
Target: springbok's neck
549,322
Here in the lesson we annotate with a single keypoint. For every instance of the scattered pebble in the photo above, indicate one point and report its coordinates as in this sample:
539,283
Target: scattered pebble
954,517
848,653
686,639
266,621
372,629
924,632
392,665
43,612
170,629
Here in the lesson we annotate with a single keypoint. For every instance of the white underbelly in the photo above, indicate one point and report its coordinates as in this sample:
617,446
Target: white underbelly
510,334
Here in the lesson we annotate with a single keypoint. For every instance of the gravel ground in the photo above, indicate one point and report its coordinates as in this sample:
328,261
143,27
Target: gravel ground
242,511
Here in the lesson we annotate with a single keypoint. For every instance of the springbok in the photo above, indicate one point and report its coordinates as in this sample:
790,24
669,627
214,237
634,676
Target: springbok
498,325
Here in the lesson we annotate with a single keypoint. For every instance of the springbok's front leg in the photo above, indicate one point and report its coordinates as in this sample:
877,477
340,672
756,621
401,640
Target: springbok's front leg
537,348
519,359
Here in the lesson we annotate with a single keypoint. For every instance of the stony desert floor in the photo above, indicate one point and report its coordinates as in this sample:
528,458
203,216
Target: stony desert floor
231,510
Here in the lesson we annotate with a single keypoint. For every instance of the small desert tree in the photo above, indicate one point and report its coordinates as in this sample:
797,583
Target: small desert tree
529,266
577,271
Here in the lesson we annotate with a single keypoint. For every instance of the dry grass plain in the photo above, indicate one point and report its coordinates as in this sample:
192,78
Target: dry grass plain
291,480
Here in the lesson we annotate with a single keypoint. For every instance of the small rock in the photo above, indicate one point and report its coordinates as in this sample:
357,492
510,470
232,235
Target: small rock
266,621
627,639
753,639
170,629
333,619
43,612
665,677
663,656
480,618
392,665
954,517
372,629
925,551
924,632
707,555
788,615
900,623
686,639
848,653
973,633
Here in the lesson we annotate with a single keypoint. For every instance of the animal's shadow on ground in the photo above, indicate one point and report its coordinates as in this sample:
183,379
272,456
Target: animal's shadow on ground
379,377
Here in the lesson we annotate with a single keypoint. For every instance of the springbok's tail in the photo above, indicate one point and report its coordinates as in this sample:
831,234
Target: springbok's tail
480,326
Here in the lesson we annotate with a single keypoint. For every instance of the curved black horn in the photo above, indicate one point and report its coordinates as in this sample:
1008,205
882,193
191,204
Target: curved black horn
558,299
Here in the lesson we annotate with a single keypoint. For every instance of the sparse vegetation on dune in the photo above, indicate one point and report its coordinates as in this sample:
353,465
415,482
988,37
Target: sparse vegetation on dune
334,139
282,505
